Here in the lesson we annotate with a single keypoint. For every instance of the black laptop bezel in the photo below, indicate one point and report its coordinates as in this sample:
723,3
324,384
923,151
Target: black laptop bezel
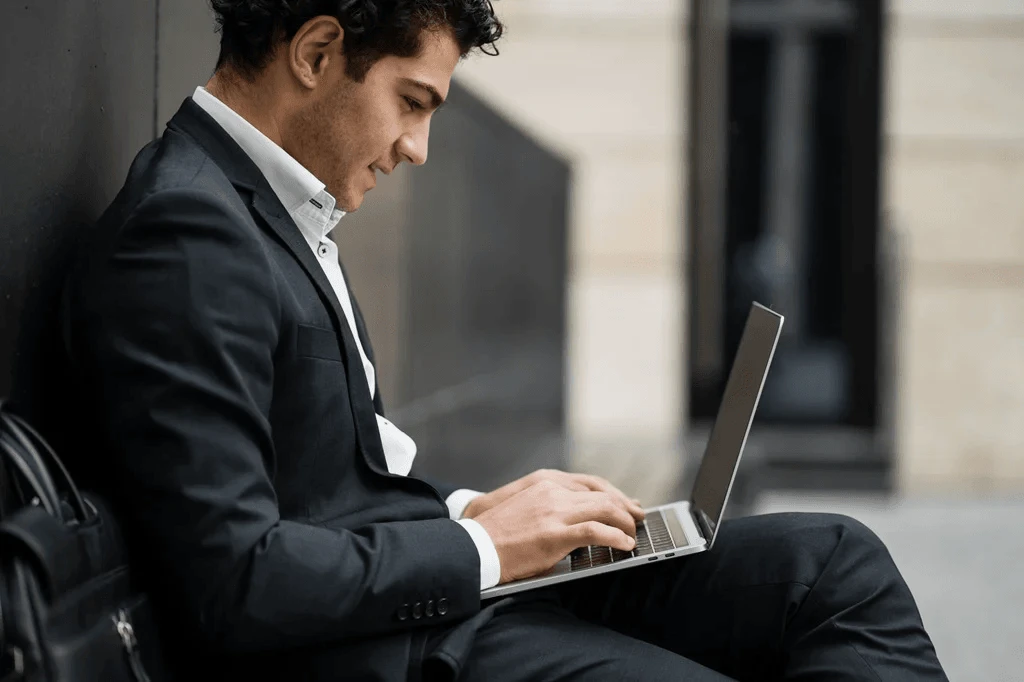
707,525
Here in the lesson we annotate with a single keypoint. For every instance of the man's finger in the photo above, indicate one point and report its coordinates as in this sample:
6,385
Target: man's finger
602,507
566,480
592,482
599,484
597,533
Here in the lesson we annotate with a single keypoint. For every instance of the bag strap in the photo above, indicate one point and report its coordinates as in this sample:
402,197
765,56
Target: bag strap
43,460
32,473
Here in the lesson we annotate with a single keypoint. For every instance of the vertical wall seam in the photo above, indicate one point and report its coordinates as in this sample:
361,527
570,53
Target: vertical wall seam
156,68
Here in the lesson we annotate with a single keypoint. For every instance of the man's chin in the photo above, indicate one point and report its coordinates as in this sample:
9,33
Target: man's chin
351,202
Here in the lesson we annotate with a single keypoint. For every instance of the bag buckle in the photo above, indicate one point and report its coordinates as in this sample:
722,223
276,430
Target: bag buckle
126,631
123,624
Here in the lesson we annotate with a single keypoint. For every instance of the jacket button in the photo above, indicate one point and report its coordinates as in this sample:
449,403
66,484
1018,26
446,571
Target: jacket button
403,612
442,606
429,609
417,610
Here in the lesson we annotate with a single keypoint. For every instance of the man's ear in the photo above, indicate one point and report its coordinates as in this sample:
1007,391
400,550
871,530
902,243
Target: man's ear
316,46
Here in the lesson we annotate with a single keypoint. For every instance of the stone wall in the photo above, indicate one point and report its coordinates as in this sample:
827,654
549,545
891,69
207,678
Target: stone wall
955,191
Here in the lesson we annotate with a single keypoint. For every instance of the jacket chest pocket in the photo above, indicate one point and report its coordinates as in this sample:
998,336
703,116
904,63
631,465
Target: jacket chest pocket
317,342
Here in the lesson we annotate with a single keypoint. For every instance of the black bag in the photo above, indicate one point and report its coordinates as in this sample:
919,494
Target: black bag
69,611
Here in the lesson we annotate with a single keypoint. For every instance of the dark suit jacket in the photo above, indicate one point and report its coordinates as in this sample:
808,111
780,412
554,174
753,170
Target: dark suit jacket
236,431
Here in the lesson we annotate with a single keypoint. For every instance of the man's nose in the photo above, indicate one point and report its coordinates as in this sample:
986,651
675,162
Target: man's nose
412,147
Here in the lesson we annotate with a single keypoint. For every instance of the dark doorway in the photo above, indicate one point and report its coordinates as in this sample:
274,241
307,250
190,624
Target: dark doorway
786,212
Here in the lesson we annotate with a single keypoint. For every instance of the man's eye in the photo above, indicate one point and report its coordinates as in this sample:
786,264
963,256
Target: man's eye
413,104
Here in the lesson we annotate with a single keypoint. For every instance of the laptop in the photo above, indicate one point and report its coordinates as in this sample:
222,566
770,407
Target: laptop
683,528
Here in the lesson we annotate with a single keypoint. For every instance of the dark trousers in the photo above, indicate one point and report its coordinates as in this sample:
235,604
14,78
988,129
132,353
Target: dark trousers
779,597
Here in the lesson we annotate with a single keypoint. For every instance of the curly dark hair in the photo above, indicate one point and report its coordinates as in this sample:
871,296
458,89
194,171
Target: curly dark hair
251,30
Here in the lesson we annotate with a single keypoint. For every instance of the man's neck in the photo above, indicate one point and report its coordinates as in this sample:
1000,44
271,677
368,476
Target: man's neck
245,99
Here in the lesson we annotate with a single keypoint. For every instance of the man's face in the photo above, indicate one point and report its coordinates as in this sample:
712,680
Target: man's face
345,132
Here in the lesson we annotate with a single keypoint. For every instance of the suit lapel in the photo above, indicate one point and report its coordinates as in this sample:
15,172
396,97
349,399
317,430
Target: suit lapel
266,204
270,209
364,338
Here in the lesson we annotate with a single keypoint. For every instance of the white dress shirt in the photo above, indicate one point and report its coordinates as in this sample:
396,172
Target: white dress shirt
314,212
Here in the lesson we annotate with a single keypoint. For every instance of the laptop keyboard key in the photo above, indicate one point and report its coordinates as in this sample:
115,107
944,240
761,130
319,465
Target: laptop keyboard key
580,558
600,556
643,540
619,555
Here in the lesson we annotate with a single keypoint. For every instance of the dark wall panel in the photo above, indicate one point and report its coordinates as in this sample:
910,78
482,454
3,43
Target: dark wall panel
484,361
78,87
187,53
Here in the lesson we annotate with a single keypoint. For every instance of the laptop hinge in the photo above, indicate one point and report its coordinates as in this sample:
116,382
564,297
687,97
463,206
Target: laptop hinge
703,524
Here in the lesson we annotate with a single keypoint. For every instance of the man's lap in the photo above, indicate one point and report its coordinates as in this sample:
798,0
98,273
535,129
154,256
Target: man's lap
726,608
539,639
736,609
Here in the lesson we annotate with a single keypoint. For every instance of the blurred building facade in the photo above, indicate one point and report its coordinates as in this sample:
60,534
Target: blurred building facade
604,81
954,174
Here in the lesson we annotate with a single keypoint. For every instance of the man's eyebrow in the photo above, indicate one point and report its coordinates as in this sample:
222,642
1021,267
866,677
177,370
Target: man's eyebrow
435,97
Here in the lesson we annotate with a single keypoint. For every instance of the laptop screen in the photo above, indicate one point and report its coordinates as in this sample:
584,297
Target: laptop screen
735,414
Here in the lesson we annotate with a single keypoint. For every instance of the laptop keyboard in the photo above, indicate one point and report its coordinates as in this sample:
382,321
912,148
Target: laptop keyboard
651,536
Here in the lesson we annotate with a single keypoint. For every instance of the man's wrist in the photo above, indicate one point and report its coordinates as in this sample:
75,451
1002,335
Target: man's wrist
473,508
459,503
490,563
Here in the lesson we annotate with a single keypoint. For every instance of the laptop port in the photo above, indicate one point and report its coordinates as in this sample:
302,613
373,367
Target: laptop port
670,554
652,558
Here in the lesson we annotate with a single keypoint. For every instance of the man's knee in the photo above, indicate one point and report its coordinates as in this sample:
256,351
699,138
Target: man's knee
856,539
845,568
850,557
850,530
816,543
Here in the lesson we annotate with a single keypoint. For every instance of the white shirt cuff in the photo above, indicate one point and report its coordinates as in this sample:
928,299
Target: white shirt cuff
490,565
458,501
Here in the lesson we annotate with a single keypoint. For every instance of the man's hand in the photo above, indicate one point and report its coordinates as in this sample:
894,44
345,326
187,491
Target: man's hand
537,527
576,482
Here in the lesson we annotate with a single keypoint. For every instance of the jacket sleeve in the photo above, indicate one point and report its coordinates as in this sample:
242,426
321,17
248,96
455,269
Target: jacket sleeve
174,328
443,488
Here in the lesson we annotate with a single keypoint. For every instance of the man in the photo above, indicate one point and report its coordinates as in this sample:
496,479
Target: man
221,355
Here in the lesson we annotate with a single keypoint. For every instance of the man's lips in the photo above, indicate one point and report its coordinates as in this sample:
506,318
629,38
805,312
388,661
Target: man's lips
374,169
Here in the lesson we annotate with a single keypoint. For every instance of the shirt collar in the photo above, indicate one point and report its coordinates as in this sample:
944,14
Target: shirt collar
304,196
